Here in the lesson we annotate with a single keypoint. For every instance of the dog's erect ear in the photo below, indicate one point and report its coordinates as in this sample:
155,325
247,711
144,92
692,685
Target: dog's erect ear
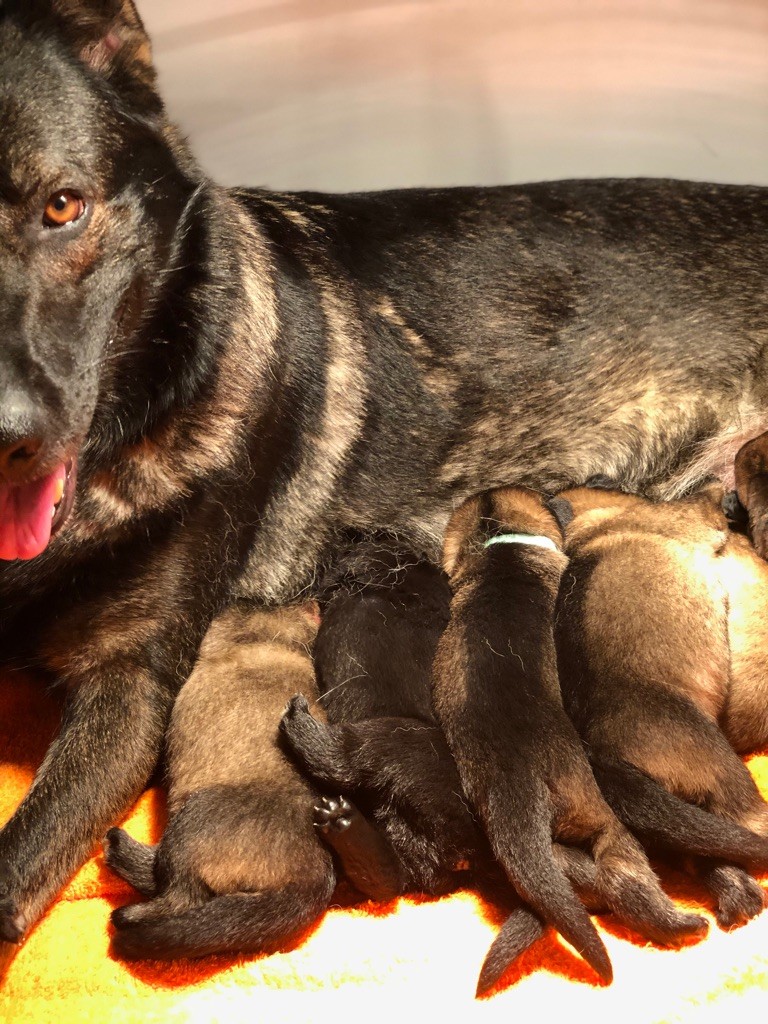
108,31
108,36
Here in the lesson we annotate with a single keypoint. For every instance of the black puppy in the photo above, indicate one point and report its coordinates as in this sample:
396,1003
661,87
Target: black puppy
382,618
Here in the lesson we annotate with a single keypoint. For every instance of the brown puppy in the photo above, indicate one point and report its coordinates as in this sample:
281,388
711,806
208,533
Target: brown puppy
662,657
497,696
239,868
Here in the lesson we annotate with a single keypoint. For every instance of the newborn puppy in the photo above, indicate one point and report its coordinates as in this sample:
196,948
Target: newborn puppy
497,696
664,670
239,868
383,614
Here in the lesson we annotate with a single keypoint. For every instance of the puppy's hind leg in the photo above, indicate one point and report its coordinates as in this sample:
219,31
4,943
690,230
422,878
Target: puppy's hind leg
131,860
316,747
366,856
621,879
738,896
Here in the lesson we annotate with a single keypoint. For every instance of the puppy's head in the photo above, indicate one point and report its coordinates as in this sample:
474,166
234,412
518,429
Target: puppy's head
505,510
93,184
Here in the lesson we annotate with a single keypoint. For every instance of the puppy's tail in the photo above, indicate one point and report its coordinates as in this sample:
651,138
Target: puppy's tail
243,922
660,819
518,933
525,852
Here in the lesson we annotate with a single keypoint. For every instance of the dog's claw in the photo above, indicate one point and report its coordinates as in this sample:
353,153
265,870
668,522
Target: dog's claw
333,813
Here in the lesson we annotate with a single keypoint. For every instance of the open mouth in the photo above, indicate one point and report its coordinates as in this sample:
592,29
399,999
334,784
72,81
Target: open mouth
31,514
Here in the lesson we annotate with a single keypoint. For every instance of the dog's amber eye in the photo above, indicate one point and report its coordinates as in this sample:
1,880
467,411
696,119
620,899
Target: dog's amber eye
63,208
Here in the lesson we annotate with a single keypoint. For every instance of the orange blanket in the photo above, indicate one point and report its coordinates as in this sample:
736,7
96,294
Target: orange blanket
418,958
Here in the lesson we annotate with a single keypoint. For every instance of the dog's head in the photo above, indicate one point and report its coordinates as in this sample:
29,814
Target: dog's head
93,185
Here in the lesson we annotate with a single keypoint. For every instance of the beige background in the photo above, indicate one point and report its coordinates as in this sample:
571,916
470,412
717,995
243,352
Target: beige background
352,94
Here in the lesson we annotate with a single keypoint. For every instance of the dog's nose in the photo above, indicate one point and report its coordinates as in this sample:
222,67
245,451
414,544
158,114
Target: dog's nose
21,441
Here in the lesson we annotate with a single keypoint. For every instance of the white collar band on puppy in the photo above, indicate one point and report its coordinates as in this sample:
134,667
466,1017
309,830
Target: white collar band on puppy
522,538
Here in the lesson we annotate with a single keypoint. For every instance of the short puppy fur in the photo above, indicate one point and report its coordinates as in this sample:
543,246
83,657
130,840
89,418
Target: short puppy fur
383,613
239,869
662,658
403,823
497,696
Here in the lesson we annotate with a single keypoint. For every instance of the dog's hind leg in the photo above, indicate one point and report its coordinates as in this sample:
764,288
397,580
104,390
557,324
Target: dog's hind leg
366,856
623,879
620,879
738,896
316,747
131,860
239,922
686,753
663,821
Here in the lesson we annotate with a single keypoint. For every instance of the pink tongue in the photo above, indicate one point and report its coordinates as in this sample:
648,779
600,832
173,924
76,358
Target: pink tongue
26,514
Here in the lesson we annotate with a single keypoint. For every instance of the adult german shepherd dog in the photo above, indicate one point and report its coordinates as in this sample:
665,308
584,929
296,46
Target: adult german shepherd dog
199,386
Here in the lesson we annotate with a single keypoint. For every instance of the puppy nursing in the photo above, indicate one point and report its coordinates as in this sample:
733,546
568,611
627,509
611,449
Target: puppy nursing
660,630
384,611
521,762
239,868
598,620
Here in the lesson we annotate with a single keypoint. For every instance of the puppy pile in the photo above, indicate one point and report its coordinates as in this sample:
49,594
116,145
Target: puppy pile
568,695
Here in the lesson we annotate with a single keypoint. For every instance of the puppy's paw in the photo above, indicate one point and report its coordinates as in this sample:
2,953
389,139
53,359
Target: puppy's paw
334,814
759,532
734,511
128,916
297,705
116,845
13,923
298,726
739,898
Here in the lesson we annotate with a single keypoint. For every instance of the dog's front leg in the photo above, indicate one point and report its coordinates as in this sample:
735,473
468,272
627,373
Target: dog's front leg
111,735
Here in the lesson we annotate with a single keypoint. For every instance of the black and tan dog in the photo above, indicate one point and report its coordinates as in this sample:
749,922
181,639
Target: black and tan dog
660,634
239,868
497,696
199,386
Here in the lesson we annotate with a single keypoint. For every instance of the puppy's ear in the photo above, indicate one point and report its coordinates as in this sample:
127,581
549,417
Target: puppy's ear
463,524
109,37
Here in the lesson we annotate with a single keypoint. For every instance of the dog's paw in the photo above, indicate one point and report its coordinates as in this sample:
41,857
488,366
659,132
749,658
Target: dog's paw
334,814
128,916
13,923
297,724
115,843
759,532
297,705
734,511
738,901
